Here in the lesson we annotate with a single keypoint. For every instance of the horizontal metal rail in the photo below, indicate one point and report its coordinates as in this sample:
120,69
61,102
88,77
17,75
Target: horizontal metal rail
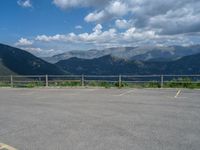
84,80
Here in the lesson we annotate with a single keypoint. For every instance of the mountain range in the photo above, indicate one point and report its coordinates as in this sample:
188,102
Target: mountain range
177,60
145,53
109,65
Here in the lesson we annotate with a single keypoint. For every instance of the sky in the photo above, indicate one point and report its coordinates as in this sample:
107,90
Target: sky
49,27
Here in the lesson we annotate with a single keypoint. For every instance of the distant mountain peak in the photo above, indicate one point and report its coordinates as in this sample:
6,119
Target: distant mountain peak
143,53
109,65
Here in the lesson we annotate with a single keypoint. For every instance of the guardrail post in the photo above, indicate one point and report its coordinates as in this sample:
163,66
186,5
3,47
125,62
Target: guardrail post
82,80
47,80
120,81
11,81
162,81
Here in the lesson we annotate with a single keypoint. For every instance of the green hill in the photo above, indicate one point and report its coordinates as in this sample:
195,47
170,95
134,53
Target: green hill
109,65
17,61
185,65
4,70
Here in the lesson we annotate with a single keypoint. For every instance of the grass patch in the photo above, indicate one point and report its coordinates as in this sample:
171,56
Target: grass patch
65,84
29,84
143,85
5,84
100,84
182,83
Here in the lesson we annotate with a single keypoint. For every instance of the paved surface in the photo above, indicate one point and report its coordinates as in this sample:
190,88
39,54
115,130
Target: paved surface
100,119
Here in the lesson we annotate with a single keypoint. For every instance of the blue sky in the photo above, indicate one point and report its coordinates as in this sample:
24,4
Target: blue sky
48,27
41,18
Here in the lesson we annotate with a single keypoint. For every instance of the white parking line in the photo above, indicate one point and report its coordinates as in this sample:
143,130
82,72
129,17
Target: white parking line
6,147
125,93
177,94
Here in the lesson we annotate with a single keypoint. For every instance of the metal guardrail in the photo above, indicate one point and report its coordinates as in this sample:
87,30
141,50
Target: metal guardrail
90,80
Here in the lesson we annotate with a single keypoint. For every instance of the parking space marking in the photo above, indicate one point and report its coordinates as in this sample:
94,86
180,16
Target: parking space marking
125,93
177,94
6,147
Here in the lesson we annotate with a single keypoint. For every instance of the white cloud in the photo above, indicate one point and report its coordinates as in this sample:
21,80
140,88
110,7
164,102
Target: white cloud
113,10
32,49
65,4
97,36
101,38
24,3
95,16
40,51
117,8
164,17
50,38
122,24
24,42
143,22
98,28
78,27
134,34
57,37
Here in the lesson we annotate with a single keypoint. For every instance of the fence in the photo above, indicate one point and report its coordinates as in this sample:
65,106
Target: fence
157,81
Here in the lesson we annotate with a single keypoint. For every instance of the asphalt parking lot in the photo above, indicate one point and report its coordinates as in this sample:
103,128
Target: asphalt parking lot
100,119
